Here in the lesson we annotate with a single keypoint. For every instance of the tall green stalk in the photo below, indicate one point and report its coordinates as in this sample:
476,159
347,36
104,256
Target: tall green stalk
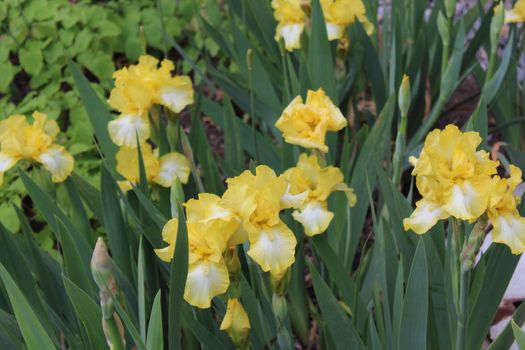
464,278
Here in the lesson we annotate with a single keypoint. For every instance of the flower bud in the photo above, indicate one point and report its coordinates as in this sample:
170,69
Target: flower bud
495,26
280,307
279,283
443,29
101,265
404,95
450,8
236,323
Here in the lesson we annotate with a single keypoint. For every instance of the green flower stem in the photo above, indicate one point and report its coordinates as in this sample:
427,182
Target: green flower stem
399,150
492,64
464,279
113,334
249,63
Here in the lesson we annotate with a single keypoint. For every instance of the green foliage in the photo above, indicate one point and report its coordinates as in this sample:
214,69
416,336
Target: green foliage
365,283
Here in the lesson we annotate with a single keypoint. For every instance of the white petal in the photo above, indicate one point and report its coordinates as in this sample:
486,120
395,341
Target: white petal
205,280
6,162
125,129
58,162
177,97
426,215
273,248
289,200
314,217
509,229
466,202
291,33
172,165
334,31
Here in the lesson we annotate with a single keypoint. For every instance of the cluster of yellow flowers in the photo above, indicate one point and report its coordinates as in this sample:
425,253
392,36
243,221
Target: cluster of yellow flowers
250,208
137,88
457,181
20,140
338,14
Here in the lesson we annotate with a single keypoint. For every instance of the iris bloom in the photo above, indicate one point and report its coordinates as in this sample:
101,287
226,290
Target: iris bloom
452,178
339,14
306,124
256,200
517,14
508,224
20,140
236,323
207,272
318,183
161,170
137,88
291,18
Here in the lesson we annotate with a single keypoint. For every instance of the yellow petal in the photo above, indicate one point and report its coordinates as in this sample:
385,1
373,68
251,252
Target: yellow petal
349,192
509,229
178,94
273,248
169,235
466,200
125,185
172,165
58,161
205,281
314,217
236,323
125,130
424,217
128,163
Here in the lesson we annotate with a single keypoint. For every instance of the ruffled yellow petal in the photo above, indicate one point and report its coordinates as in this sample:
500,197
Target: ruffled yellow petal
172,165
205,281
426,215
58,161
509,229
125,130
177,94
314,217
273,248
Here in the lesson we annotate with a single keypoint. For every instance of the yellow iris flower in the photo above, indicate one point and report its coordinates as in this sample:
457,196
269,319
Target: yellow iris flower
137,88
207,272
452,178
161,171
339,14
315,183
256,200
20,140
236,323
290,17
517,14
306,124
508,224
